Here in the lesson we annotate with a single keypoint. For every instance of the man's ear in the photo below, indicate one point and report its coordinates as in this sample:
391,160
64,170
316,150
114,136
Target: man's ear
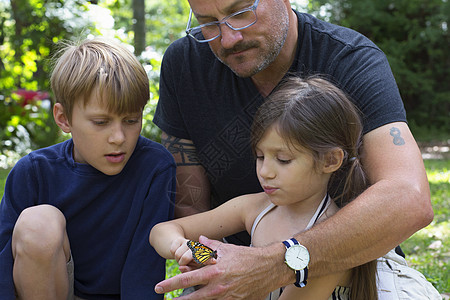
61,118
333,160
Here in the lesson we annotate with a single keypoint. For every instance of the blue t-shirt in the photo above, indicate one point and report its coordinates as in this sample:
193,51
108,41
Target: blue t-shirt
202,100
109,218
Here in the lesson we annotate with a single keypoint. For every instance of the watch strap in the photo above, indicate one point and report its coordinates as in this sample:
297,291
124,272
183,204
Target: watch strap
301,275
290,242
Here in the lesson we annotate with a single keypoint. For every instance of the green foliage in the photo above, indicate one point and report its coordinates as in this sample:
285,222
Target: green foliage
26,126
3,175
165,20
172,270
415,38
29,31
169,15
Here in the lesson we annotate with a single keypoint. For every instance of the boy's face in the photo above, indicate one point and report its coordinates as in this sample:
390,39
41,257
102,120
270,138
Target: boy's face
102,139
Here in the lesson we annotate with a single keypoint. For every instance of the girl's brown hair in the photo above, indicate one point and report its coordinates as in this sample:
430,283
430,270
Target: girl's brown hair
315,115
103,66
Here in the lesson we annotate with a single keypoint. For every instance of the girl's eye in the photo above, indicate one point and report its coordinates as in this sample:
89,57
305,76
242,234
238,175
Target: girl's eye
284,161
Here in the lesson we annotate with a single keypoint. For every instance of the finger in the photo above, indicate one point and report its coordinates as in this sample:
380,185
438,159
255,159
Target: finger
185,258
181,281
184,269
178,254
213,244
176,245
206,293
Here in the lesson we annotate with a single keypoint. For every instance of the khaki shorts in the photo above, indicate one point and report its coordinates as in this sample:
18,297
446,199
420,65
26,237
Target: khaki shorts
397,281
70,270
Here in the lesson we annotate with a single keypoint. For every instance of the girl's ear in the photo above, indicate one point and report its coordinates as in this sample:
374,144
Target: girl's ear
333,160
60,118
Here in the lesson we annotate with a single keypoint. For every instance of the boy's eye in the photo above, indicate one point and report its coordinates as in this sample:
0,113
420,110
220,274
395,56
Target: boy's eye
99,122
259,157
131,121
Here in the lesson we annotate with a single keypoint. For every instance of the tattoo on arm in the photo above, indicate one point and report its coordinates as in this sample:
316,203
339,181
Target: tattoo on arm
185,150
398,140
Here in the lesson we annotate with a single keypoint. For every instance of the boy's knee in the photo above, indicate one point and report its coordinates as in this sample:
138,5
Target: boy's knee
39,230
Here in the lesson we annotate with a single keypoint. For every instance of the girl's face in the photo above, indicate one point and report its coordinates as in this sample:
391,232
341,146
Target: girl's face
288,174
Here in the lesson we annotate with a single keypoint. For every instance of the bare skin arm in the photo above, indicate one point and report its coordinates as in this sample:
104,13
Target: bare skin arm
394,207
193,189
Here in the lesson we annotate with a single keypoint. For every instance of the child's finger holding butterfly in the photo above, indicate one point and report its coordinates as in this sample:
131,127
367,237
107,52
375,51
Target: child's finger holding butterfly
180,251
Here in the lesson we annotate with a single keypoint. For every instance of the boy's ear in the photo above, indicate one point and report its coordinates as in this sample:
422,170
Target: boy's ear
60,118
333,160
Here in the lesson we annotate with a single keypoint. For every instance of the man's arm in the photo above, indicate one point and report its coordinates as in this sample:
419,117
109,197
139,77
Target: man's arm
395,206
193,188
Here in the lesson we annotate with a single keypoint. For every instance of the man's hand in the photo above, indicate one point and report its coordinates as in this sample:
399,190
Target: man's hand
236,274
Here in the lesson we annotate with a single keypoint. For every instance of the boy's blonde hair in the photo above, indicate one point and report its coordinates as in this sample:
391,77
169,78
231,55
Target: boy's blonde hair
103,66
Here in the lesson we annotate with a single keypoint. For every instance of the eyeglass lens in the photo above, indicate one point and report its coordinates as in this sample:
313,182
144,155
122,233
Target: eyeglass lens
236,21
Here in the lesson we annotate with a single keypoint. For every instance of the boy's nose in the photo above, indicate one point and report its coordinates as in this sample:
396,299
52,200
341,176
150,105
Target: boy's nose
117,135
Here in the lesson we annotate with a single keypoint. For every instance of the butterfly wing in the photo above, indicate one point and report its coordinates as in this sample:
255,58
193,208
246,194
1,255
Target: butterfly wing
200,252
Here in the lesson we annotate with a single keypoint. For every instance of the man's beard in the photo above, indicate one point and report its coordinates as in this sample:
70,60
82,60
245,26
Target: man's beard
277,42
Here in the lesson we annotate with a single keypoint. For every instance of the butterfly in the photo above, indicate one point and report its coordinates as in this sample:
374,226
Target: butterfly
200,252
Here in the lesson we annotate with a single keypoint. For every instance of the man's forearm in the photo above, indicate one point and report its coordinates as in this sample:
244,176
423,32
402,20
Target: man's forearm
193,190
365,229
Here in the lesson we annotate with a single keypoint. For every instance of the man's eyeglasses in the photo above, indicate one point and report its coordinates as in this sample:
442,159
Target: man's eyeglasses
210,31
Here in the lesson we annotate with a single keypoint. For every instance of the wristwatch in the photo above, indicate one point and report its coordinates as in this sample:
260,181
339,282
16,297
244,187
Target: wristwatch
297,258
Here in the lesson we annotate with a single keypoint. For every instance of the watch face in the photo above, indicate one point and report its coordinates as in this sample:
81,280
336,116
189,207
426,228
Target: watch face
297,257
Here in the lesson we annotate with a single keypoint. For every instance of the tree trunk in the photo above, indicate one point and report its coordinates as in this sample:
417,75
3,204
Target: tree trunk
139,26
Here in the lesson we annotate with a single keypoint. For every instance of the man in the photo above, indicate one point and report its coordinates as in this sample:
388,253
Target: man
213,80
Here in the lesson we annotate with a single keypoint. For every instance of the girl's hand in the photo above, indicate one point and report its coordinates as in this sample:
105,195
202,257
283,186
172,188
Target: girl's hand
181,251
183,255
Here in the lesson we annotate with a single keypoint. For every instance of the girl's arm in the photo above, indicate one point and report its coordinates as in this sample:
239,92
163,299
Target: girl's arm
229,218
319,288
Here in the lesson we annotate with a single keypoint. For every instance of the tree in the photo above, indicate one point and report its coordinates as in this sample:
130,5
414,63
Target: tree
415,38
139,26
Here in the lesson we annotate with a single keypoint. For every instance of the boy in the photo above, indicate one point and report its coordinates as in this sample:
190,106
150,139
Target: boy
75,217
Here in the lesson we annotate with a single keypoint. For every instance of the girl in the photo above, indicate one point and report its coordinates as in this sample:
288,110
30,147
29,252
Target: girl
306,138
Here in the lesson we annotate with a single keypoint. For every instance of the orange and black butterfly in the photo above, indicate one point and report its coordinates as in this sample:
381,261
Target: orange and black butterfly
200,252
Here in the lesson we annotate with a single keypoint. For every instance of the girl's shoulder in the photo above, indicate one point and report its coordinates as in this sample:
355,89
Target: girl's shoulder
331,210
251,205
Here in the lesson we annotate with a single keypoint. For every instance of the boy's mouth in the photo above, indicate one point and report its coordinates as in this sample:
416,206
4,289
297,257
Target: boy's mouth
115,157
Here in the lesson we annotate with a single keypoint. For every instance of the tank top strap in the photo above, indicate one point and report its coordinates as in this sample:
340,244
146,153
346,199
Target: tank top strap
260,216
324,204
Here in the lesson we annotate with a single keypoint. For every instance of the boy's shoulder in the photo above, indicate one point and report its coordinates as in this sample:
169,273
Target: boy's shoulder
48,154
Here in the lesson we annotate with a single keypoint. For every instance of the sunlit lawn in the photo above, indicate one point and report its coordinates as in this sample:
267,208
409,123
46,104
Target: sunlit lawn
428,250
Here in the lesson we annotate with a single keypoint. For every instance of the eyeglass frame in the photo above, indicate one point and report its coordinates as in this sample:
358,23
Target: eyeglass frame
223,21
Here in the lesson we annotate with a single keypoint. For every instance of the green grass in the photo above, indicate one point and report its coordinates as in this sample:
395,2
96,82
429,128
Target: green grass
428,250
